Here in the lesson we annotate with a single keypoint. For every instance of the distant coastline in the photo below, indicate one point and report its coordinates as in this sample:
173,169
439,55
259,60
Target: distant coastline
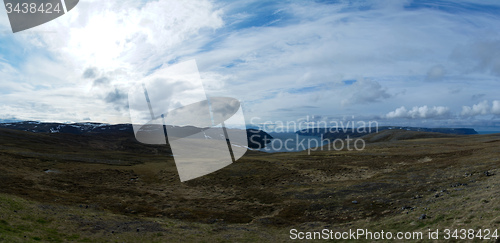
487,132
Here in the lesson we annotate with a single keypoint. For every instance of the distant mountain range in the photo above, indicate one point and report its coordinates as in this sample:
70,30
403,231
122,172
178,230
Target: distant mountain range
256,138
333,133
75,128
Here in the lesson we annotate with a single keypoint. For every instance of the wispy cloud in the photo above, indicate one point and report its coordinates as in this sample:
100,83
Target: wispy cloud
279,58
85,60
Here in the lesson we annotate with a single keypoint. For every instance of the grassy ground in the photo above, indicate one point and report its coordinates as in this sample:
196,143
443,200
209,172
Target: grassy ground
83,190
27,221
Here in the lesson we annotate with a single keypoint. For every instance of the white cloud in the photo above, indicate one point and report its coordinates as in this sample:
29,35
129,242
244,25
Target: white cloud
131,35
400,112
422,112
329,45
482,108
120,40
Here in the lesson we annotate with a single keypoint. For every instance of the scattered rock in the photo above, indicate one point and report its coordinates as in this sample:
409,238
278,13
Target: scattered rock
423,216
355,202
458,184
487,173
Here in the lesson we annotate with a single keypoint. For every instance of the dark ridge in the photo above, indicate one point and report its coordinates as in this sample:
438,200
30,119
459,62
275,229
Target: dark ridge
256,138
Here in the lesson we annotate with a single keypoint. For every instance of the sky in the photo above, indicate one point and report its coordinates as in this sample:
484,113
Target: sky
409,63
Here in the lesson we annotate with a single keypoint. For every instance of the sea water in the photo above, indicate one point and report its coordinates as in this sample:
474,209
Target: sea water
292,142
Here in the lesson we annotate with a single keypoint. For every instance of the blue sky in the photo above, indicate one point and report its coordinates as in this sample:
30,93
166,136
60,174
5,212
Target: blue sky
415,63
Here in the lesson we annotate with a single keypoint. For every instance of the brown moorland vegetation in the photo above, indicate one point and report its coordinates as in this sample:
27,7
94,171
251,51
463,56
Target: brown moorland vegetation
90,187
